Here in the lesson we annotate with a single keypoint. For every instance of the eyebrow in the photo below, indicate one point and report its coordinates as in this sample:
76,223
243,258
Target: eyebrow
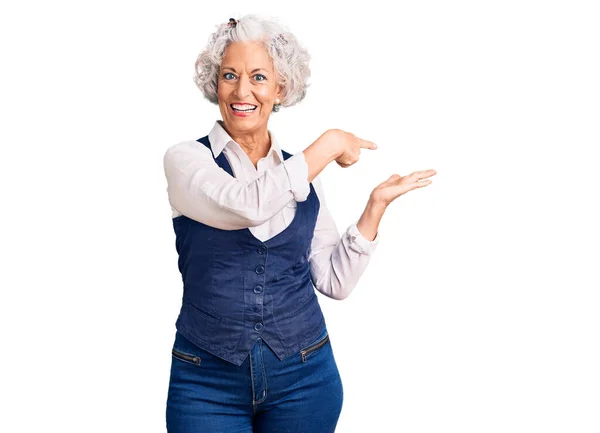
253,71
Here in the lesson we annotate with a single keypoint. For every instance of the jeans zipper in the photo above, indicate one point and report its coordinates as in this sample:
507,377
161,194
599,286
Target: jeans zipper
314,347
194,359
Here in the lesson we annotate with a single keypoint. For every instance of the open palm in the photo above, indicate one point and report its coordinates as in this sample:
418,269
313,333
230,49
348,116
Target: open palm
396,185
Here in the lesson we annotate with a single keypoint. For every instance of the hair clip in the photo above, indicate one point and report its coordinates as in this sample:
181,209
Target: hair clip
282,39
232,22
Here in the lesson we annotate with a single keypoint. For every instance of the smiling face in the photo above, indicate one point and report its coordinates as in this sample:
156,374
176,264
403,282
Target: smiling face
247,87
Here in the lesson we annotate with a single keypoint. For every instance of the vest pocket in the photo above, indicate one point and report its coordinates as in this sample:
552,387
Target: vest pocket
303,306
206,315
310,350
186,357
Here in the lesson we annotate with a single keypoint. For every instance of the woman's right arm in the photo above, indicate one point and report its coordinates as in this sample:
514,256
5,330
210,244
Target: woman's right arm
199,189
334,145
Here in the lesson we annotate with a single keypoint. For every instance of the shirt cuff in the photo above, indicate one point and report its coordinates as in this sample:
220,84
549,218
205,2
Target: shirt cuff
297,171
359,243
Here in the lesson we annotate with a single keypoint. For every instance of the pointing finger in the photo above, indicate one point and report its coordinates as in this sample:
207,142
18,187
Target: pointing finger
365,144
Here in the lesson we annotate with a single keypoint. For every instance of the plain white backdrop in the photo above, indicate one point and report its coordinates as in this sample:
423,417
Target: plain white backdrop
479,309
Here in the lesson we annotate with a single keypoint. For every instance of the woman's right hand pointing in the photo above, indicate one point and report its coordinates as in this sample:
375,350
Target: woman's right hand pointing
334,145
348,146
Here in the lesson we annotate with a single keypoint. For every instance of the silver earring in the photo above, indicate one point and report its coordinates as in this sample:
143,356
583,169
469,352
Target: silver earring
276,106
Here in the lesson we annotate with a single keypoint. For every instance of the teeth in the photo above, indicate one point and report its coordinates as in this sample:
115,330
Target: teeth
243,107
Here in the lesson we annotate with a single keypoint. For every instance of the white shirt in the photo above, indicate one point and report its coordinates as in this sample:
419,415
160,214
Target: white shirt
262,199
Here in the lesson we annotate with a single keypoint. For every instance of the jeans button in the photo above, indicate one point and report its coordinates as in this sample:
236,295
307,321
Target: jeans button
260,269
258,326
258,289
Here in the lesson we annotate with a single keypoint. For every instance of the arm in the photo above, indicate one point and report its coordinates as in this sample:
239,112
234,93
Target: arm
337,263
201,190
368,224
317,157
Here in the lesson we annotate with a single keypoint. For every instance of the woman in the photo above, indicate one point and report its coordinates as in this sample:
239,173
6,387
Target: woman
254,238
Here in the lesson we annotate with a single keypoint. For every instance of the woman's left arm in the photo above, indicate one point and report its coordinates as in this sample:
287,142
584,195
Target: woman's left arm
337,262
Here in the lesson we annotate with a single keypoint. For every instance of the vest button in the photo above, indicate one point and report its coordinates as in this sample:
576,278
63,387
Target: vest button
262,250
258,289
260,269
258,326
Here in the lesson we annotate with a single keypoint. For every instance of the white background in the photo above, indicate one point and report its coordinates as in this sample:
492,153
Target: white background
479,311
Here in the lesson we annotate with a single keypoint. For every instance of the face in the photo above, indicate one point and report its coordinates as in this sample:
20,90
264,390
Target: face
247,87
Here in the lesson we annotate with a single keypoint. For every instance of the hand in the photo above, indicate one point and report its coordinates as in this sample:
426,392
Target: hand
348,146
396,185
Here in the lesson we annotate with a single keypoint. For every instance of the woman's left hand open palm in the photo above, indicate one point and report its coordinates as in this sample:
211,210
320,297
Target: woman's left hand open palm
396,185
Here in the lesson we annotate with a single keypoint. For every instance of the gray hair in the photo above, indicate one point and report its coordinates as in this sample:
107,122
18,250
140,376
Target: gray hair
290,59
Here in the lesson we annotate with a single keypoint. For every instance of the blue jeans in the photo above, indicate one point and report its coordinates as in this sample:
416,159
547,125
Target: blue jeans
302,393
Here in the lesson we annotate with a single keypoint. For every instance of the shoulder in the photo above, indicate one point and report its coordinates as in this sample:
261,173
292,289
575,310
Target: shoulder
187,146
186,149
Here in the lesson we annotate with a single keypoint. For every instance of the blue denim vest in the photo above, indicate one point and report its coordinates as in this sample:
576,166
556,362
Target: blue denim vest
237,289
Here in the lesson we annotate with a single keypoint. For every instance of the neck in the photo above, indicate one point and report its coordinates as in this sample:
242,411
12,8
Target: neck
256,143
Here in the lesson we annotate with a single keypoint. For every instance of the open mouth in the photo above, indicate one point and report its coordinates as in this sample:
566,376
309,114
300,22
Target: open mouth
243,108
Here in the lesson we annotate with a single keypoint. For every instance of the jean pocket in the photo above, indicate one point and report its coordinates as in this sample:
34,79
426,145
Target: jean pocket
184,350
313,348
186,357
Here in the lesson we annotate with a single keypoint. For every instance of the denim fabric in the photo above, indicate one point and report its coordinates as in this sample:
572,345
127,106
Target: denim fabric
262,395
237,289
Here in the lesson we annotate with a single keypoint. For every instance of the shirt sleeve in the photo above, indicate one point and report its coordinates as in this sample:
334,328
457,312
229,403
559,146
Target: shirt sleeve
201,190
337,262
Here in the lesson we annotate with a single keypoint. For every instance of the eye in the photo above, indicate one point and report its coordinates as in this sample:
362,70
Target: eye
260,77
228,76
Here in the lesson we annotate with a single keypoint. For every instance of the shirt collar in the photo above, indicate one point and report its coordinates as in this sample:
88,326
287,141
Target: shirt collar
219,138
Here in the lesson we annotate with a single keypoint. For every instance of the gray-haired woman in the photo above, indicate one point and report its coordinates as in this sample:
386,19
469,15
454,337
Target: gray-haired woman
254,238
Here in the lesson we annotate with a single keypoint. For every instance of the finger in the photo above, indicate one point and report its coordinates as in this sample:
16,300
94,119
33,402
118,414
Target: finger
393,178
418,175
422,183
425,173
366,144
407,188
390,180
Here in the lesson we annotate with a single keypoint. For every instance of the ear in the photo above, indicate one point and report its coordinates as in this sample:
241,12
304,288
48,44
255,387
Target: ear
279,91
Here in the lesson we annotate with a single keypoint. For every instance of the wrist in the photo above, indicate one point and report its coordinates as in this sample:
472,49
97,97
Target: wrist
330,142
376,205
368,224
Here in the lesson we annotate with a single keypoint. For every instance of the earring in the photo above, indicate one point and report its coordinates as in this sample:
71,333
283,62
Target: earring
277,105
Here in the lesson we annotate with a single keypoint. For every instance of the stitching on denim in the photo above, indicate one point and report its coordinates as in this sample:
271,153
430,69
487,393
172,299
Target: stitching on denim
252,381
264,374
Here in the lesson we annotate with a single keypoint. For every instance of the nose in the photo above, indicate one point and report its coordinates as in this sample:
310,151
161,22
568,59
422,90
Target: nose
242,89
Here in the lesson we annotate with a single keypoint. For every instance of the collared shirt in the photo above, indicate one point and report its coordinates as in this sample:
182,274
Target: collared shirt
262,199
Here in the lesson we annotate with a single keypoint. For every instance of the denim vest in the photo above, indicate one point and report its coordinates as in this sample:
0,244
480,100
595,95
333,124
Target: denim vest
237,289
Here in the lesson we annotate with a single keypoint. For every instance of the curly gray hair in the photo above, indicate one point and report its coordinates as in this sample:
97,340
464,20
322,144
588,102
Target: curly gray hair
290,59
